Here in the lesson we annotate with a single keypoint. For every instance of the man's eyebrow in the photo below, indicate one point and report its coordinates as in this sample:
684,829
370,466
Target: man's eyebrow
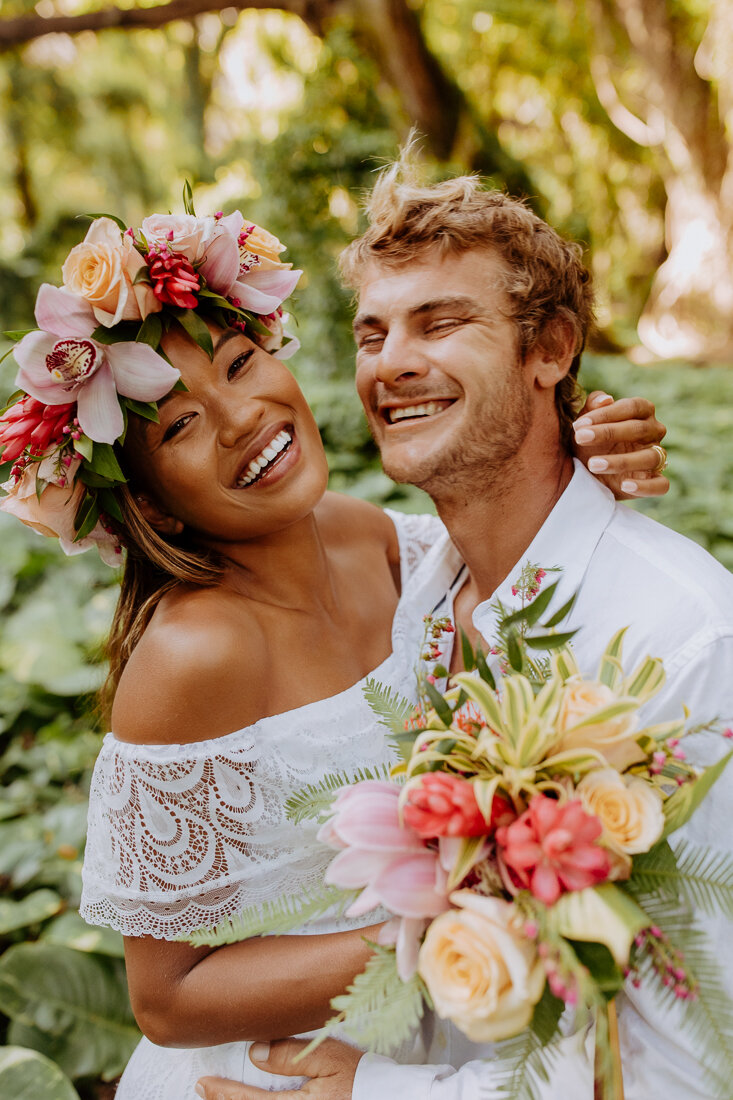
459,302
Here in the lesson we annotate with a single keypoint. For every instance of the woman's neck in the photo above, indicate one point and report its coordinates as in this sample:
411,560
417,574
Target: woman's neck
291,568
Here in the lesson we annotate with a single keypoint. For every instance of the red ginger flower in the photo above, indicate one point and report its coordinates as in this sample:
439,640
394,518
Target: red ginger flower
174,280
551,849
445,805
30,423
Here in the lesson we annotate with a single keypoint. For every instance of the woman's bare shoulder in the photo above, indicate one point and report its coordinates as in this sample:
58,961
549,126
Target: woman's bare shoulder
194,674
343,517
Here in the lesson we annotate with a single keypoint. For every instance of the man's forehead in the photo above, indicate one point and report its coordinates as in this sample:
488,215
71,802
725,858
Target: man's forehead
431,282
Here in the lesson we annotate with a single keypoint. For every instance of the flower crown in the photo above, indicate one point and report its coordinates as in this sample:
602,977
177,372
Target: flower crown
96,356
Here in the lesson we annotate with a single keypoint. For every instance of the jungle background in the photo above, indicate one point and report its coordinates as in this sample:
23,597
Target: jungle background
614,118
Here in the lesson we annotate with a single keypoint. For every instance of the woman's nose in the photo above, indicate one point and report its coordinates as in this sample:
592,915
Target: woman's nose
238,419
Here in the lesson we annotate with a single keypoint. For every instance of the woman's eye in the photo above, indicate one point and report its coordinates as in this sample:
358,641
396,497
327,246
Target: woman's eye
176,426
238,364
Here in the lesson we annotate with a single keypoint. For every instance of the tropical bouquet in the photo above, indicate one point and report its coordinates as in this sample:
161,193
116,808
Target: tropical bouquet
521,846
97,356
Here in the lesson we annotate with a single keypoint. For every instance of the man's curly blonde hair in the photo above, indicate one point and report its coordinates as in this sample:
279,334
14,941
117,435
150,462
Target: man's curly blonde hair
547,285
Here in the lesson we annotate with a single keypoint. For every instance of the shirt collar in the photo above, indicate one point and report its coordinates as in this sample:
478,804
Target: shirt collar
567,539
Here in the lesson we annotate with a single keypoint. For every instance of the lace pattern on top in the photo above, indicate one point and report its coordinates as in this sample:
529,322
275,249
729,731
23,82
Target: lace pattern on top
182,836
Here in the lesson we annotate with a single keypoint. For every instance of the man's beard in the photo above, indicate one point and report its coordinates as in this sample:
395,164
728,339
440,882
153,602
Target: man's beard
487,444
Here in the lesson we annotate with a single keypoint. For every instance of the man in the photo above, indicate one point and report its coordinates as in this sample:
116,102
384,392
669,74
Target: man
471,320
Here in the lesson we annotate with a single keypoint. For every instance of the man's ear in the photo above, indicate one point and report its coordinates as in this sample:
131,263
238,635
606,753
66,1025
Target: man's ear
159,520
551,357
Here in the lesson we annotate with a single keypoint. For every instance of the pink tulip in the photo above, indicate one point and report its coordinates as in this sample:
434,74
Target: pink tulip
62,364
551,849
445,805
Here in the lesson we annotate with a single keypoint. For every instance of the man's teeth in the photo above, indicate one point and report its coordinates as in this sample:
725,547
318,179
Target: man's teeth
429,408
282,440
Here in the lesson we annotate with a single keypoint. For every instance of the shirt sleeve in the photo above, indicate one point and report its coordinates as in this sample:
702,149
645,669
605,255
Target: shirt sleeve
571,1077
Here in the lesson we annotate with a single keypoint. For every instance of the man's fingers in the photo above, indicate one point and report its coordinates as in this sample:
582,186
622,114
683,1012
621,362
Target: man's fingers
217,1088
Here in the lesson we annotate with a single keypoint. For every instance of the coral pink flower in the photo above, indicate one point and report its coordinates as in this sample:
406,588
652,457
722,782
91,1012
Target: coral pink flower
551,849
63,364
174,279
445,805
387,860
30,423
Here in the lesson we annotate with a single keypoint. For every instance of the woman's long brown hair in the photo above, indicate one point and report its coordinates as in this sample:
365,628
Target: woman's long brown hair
152,567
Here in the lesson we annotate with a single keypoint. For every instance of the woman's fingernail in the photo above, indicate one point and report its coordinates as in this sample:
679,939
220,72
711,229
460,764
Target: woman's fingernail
629,486
603,399
583,422
585,435
259,1052
597,465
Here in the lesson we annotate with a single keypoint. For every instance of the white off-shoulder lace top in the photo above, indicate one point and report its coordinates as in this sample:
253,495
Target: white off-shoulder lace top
182,836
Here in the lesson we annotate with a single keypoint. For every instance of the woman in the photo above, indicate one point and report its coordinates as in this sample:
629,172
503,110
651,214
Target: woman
241,643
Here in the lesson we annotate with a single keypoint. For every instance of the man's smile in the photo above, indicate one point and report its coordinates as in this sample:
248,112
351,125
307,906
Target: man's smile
423,410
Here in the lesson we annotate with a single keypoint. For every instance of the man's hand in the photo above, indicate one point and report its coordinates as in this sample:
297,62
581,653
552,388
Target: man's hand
331,1068
615,440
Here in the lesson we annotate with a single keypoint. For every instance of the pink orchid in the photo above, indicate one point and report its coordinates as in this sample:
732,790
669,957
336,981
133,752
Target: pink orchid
386,859
62,364
551,849
256,283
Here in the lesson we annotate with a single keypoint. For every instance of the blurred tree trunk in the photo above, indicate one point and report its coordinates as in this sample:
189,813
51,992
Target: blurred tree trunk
685,114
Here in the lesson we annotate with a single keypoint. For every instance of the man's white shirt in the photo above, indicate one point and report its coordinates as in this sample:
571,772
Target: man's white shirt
677,603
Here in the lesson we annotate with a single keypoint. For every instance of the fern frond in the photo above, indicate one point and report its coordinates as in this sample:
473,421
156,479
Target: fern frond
392,710
522,1064
708,1020
378,1010
700,876
315,799
273,917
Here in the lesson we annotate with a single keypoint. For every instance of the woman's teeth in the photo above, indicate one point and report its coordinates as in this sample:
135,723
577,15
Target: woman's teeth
275,447
429,408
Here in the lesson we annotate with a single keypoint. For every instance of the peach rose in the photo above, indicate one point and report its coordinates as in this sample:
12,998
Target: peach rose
481,971
53,514
101,270
628,807
181,232
613,738
265,246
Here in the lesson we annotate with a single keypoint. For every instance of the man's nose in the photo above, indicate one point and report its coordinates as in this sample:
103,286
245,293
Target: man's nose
400,358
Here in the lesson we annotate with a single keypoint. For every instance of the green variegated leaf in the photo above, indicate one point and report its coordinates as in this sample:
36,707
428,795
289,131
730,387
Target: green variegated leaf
574,761
484,791
471,852
605,714
516,705
646,680
681,805
600,914
611,672
564,665
484,697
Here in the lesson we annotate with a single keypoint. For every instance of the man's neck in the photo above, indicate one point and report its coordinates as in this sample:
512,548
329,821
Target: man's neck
492,524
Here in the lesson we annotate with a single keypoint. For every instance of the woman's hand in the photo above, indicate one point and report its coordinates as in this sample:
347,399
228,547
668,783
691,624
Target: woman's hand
616,439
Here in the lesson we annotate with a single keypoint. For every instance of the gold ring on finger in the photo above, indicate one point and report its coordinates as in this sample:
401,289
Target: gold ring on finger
662,456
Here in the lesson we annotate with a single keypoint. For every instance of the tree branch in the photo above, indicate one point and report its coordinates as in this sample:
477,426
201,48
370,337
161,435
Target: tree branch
24,28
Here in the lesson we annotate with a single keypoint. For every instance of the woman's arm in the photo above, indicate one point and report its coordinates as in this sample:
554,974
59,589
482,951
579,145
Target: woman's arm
264,988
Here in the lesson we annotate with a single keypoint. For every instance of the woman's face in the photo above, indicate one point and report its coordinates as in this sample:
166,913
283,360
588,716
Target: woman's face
238,456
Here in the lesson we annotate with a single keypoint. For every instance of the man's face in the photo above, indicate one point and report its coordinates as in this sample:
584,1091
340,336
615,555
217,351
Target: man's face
438,370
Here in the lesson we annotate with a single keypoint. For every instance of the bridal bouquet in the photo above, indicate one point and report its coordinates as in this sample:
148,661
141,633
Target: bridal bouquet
521,847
